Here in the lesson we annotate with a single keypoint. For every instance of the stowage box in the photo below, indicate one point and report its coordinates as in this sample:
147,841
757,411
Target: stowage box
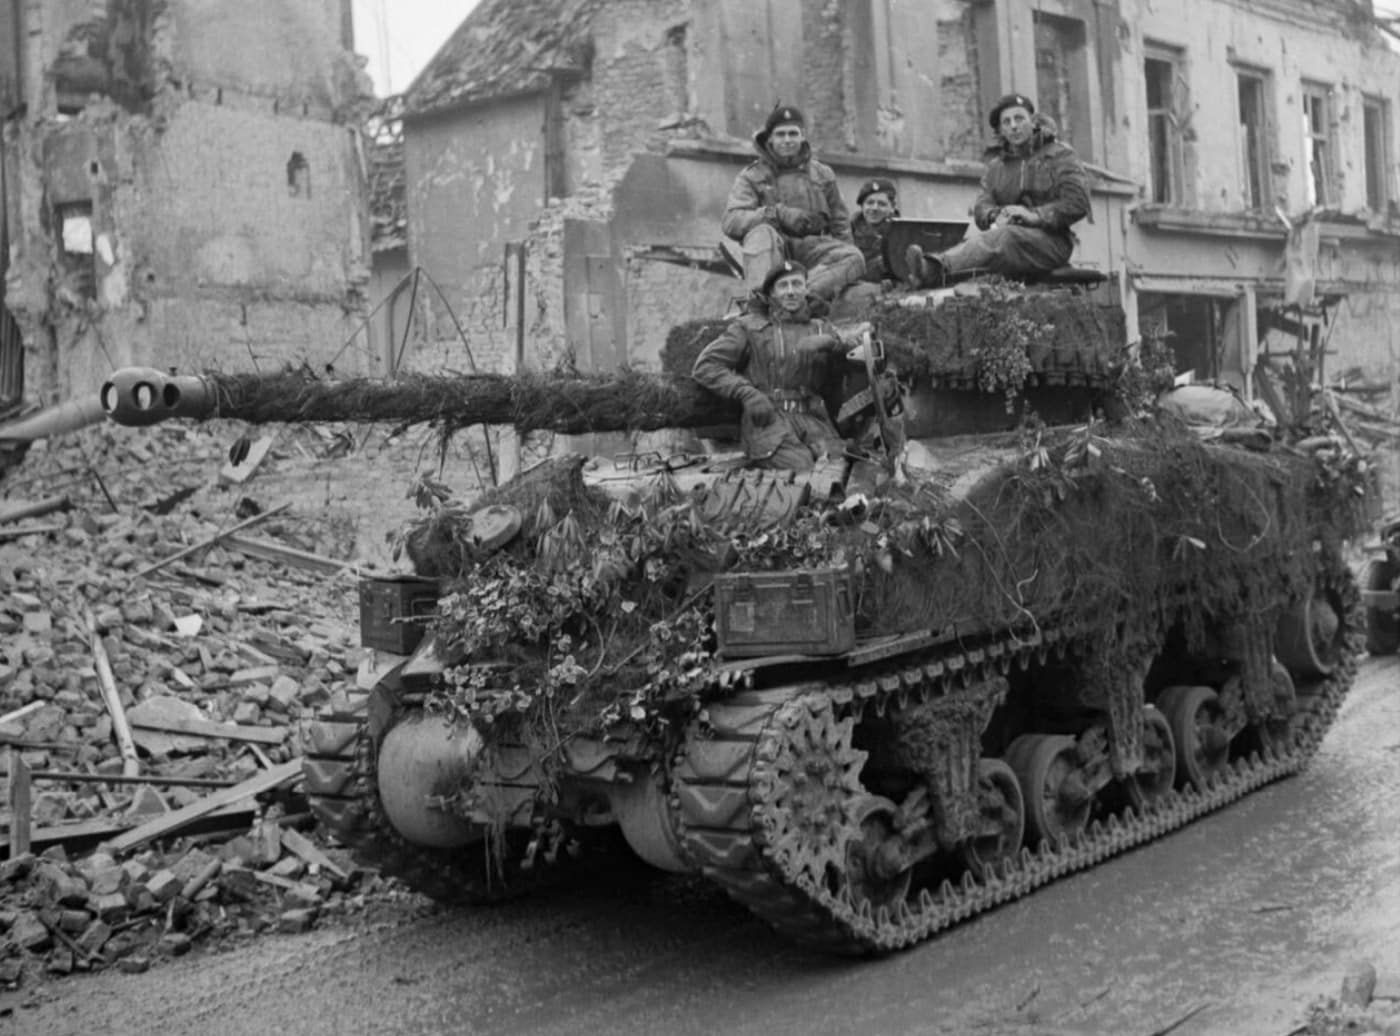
394,611
803,611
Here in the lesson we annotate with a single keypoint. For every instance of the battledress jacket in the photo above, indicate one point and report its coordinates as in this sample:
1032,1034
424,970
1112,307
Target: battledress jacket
1047,177
775,355
804,183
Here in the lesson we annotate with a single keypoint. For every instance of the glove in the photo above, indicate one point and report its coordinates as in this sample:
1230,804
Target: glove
761,410
800,222
791,219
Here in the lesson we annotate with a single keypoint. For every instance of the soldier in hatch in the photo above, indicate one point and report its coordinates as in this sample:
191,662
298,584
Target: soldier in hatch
878,204
1033,191
773,361
786,205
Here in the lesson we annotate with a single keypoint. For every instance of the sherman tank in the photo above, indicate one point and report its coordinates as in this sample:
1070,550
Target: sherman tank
1030,622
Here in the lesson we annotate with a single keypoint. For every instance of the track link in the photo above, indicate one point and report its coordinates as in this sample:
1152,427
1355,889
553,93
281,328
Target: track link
725,786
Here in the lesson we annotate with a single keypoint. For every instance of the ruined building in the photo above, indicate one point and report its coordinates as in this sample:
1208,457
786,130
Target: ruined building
567,161
182,183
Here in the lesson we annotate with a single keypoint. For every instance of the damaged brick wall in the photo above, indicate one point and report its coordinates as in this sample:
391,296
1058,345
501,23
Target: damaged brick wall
189,190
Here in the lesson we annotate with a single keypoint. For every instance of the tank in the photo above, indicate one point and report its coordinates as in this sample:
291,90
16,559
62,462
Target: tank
1008,641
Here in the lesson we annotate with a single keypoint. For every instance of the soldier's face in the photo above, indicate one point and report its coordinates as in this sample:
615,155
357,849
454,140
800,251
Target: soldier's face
790,291
786,140
1016,125
877,207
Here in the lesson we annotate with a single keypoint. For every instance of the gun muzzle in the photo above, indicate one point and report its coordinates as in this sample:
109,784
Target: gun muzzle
142,396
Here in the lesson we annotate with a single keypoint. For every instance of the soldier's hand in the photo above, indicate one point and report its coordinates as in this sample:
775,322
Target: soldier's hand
761,410
793,220
814,223
820,343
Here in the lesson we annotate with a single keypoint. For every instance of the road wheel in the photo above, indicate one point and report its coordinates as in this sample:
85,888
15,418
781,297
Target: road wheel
1155,777
1001,819
1197,727
1057,801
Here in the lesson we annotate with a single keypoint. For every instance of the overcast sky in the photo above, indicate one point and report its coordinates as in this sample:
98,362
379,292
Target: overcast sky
400,36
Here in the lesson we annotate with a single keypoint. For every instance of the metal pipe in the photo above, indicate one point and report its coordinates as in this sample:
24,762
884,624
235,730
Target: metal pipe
67,416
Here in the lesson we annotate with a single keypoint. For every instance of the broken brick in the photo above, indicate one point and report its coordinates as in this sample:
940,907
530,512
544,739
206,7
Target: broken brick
298,920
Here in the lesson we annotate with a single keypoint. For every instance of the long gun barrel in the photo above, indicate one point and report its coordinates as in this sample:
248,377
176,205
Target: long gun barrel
571,404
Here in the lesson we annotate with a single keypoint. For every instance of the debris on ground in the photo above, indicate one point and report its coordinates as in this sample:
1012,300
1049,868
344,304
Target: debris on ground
1366,1004
155,682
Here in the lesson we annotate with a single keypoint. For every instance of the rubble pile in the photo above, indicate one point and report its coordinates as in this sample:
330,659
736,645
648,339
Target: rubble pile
219,659
1367,1004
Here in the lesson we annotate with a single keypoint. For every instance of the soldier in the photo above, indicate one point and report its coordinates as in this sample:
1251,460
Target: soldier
878,204
786,205
774,361
1033,191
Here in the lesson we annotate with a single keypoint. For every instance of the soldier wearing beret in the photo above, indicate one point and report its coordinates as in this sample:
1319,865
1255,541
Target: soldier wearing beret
786,205
1033,191
878,203
774,361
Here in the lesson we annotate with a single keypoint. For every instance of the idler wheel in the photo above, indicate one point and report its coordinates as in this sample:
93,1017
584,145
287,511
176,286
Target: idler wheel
1057,801
1155,777
1197,723
1002,819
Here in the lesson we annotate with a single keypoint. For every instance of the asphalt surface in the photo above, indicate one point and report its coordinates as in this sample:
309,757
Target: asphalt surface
1230,926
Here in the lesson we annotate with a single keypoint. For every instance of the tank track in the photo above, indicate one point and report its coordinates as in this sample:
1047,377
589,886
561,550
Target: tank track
727,792
338,772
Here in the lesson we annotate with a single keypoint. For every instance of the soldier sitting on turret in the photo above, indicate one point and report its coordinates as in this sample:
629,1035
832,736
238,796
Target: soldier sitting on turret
878,204
787,205
773,361
1033,191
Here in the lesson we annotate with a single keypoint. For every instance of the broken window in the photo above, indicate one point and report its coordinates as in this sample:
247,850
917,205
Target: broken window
298,176
1062,77
1166,123
1376,124
1255,139
76,247
1319,176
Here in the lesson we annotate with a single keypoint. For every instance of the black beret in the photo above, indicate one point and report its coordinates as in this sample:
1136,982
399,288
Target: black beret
876,186
784,268
1010,101
783,115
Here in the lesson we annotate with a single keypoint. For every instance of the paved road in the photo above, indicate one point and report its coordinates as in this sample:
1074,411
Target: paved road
1243,918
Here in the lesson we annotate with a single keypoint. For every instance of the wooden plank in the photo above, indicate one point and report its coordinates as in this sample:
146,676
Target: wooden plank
16,531
19,805
210,541
208,728
303,847
171,822
266,550
90,832
81,777
34,509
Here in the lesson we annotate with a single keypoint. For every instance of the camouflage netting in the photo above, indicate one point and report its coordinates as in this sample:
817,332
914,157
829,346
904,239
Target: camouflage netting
1060,332
599,612
562,401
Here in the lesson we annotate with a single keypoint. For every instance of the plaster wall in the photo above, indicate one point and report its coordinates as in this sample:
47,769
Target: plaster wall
475,181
